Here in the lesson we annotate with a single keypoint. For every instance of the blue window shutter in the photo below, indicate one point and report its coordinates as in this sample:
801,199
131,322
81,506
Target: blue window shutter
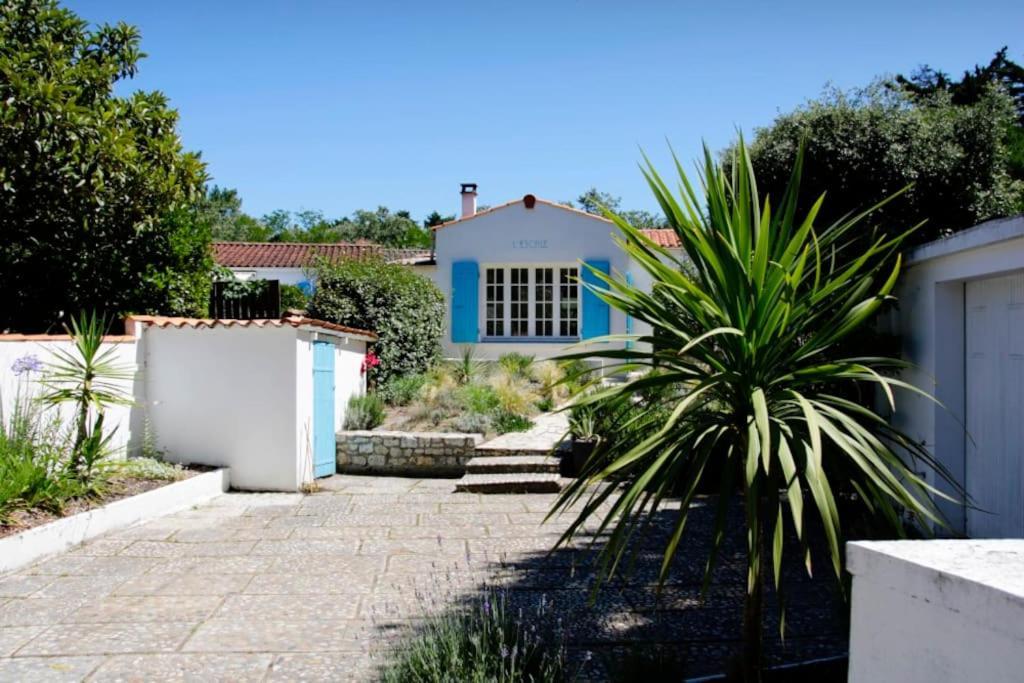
465,301
595,311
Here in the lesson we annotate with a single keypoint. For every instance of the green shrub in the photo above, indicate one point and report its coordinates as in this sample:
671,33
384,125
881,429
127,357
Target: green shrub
505,422
478,398
293,297
401,391
147,468
473,423
406,311
364,412
516,364
576,374
488,641
515,395
467,368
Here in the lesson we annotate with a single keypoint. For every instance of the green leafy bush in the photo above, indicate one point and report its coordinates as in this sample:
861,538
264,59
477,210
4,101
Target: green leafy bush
364,412
152,469
473,423
516,364
401,391
505,422
488,641
478,398
467,368
406,311
293,297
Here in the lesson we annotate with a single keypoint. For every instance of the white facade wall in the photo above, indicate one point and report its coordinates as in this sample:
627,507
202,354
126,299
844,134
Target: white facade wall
287,276
242,397
930,322
226,396
940,610
516,236
13,347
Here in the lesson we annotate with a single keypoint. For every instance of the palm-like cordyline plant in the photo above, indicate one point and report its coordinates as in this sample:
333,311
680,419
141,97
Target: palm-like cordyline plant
746,334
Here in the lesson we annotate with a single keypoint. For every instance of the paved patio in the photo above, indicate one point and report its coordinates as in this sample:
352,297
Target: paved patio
269,587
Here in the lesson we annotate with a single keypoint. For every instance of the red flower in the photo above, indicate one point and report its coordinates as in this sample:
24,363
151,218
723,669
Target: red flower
370,360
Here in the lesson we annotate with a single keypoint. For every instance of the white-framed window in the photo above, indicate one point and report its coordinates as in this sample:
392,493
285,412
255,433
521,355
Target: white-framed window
535,302
495,302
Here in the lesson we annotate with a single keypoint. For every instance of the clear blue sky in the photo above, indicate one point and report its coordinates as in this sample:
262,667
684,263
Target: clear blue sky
345,105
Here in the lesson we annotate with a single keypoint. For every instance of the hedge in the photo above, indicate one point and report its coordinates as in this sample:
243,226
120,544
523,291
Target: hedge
406,311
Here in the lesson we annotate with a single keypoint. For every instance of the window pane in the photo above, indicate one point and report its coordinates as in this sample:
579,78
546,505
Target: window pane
495,303
544,300
568,313
519,301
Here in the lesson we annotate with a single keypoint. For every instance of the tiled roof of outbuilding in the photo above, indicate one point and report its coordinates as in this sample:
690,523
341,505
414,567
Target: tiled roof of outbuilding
163,321
302,255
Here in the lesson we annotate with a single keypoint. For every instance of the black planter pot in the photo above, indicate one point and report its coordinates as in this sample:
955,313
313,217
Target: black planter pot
577,457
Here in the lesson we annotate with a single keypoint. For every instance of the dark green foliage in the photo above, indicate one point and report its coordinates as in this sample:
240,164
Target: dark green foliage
401,391
504,422
487,641
292,297
864,145
516,364
594,201
971,89
406,311
95,190
478,398
364,412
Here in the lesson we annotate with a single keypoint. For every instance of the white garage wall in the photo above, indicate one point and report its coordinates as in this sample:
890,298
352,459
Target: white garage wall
930,322
226,396
13,347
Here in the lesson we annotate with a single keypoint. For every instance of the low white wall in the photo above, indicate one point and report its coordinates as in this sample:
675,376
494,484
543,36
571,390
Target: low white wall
939,610
226,396
42,541
12,347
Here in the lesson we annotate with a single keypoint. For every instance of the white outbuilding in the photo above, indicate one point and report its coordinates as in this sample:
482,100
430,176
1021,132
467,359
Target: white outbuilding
961,320
263,397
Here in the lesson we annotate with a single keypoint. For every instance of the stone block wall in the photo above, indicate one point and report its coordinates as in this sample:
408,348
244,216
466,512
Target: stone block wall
425,454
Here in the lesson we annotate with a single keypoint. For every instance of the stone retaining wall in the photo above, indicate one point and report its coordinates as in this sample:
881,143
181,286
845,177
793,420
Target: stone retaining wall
425,454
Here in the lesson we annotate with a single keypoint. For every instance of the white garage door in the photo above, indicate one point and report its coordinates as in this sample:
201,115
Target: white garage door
995,410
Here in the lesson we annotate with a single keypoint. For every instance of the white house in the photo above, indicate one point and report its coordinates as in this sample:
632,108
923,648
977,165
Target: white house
509,275
961,320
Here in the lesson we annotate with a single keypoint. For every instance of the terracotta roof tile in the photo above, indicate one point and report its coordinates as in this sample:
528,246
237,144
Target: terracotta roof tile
162,321
663,237
302,255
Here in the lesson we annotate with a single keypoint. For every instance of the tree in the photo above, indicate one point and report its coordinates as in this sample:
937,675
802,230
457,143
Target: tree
864,145
96,191
222,209
745,371
593,200
971,89
435,219
396,229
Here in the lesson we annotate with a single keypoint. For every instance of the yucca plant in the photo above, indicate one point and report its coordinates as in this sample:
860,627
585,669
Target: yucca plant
745,344
90,379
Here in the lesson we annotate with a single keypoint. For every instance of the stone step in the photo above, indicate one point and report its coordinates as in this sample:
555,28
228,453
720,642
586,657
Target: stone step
528,482
508,464
486,451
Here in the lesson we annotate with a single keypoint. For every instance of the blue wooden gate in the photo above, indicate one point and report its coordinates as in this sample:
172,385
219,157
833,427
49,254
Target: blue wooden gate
323,409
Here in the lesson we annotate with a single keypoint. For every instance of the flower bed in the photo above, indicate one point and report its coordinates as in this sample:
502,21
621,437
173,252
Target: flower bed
467,397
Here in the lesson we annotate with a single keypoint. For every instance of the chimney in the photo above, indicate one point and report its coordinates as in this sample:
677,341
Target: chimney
468,193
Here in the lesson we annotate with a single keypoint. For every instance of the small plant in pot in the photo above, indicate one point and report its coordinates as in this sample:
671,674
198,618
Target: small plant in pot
583,428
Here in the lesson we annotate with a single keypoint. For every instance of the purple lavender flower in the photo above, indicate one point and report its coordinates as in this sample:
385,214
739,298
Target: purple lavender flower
504,652
26,364
487,605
